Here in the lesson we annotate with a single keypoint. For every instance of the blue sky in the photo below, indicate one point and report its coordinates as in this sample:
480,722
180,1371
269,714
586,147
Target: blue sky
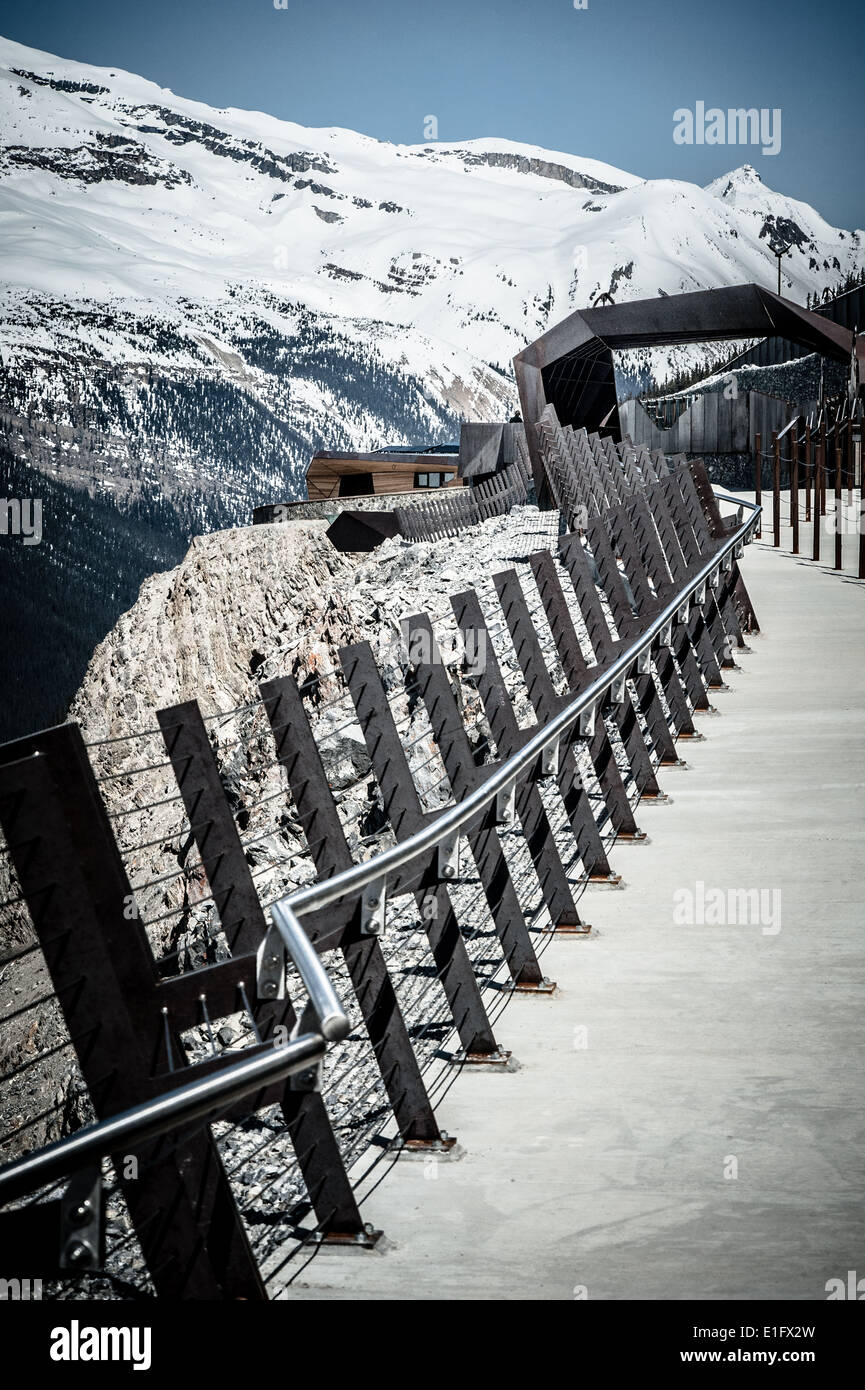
603,81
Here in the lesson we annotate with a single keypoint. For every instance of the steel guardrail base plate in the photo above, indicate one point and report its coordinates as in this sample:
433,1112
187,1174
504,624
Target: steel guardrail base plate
499,1061
445,1149
545,987
350,1243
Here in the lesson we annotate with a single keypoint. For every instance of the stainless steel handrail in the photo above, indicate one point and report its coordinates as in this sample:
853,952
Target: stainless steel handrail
328,1010
736,501
208,1096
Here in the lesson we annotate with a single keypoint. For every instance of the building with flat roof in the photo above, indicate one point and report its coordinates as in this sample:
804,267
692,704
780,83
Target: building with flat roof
332,473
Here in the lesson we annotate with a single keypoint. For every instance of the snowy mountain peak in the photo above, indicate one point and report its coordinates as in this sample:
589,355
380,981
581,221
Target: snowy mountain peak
746,173
194,300
326,287
729,185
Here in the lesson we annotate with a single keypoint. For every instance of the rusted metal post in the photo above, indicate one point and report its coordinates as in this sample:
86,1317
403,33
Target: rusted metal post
124,1020
245,928
758,475
776,490
808,462
839,507
824,465
361,950
794,490
818,487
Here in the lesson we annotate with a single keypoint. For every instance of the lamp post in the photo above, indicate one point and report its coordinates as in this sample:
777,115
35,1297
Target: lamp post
780,249
856,446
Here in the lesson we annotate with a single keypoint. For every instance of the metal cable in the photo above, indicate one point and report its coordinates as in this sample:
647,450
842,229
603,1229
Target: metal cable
134,771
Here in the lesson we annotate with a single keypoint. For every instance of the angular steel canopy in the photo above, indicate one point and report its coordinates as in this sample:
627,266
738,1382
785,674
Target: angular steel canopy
571,366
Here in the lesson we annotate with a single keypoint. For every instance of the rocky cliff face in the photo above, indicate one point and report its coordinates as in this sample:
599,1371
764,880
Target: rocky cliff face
204,629
259,601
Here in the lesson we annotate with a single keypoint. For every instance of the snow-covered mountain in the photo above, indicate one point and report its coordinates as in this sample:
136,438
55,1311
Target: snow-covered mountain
196,297
192,301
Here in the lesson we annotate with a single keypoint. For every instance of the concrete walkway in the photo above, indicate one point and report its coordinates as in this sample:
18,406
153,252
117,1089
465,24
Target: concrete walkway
850,522
677,1055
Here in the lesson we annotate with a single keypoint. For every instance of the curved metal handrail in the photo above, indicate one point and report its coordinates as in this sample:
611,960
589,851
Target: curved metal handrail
206,1096
323,997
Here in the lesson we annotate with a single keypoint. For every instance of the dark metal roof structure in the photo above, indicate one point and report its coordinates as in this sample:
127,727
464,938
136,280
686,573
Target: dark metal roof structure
360,530
571,365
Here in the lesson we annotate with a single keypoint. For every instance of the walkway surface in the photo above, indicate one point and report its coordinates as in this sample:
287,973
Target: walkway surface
688,1120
